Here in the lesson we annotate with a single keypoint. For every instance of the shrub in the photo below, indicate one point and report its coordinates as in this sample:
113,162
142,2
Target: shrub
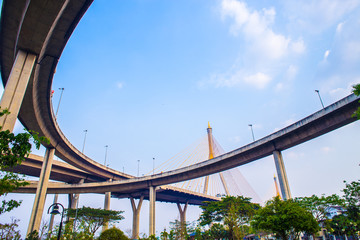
113,234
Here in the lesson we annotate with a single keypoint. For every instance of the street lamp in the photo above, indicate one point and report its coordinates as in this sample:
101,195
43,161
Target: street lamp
138,167
106,147
57,110
55,211
84,141
252,132
318,92
153,166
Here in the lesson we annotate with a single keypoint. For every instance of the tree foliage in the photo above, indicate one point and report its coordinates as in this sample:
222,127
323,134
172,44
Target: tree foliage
285,218
319,206
356,91
113,234
233,212
352,193
8,230
94,217
14,149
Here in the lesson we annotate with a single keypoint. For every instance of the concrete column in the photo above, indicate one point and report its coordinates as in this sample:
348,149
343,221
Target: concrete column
15,88
56,196
152,199
283,181
107,206
40,196
182,212
136,217
182,218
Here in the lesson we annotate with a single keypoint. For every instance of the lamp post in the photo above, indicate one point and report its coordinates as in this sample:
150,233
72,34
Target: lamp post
318,92
138,167
55,211
57,110
153,166
84,141
252,132
106,147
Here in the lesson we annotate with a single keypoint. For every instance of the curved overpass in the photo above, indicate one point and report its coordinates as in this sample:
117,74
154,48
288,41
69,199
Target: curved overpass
332,117
43,28
26,25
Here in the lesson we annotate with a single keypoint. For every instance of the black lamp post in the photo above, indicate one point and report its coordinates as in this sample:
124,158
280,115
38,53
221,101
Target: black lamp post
55,211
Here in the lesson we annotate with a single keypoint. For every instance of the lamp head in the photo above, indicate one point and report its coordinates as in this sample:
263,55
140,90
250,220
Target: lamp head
55,210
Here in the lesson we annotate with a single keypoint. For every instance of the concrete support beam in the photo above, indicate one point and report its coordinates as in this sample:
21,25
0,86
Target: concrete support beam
152,199
15,88
38,208
136,217
283,181
107,206
182,218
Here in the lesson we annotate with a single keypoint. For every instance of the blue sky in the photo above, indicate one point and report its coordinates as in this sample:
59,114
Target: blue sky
145,77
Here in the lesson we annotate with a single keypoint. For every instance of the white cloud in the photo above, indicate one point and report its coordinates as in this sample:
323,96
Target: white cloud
120,85
291,72
256,28
326,149
338,93
318,15
351,51
326,54
259,80
266,51
339,27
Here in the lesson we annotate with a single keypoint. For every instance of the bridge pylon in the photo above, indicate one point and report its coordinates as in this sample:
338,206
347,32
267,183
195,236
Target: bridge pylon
211,156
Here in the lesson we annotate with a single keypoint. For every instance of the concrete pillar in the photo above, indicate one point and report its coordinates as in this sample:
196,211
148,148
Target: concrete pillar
40,196
136,217
182,218
283,181
107,206
56,196
152,199
15,88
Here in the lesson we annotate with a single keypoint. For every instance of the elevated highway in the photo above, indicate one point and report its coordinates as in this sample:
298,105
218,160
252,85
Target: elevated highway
332,117
69,174
34,33
25,25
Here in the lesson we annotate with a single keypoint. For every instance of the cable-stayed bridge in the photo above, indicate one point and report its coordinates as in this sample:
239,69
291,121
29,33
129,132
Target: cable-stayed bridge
230,182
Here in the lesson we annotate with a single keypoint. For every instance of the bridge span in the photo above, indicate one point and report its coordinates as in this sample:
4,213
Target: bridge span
32,38
328,119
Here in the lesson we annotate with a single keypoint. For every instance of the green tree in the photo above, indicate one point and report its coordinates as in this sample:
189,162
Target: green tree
8,231
14,149
356,91
164,235
285,218
94,218
318,206
352,193
233,212
113,234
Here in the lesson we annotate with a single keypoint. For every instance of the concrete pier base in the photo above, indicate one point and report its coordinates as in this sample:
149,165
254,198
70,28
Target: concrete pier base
136,217
182,213
152,199
107,207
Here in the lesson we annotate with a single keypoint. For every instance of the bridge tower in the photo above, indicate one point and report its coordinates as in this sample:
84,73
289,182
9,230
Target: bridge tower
211,156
